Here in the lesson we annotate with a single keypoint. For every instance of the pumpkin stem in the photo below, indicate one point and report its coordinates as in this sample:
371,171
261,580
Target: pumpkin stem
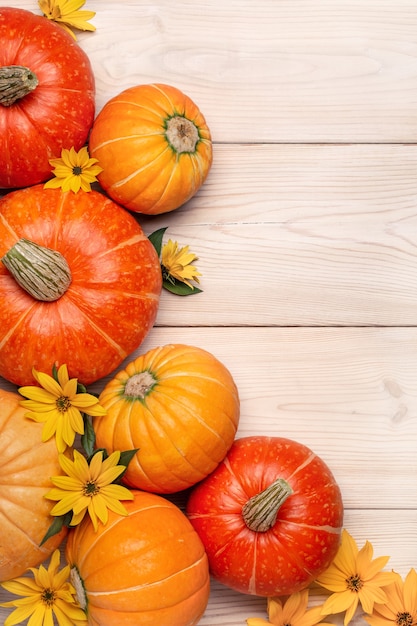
42,272
139,385
16,82
78,585
260,512
182,134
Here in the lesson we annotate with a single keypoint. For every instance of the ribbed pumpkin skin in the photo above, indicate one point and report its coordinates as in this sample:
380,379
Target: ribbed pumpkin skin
141,170
58,113
111,303
183,427
303,540
144,569
26,465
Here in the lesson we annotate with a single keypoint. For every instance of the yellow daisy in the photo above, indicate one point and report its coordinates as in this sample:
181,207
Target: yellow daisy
88,488
291,612
73,171
176,264
59,406
354,578
45,596
400,609
67,14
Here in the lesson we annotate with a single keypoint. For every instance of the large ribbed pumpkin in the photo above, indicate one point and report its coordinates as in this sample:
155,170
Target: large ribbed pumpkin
81,286
147,568
26,465
154,146
179,405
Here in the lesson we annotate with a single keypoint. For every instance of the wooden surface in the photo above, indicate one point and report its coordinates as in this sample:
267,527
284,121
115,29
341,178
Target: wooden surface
306,230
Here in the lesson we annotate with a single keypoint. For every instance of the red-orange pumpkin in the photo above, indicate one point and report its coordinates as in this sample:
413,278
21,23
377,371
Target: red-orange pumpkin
180,406
112,298
154,146
269,516
144,569
26,465
47,96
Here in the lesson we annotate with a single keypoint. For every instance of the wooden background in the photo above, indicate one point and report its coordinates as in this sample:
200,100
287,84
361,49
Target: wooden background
306,230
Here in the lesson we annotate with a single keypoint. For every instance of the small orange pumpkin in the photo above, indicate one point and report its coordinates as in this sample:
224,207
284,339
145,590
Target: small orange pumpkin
26,465
92,292
180,406
154,146
147,568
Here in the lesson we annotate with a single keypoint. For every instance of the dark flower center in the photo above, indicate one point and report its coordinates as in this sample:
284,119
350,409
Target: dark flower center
63,403
77,170
354,583
91,488
48,596
404,619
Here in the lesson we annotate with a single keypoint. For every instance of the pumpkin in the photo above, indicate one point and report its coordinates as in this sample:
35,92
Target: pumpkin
269,516
26,465
47,96
180,406
147,568
154,146
94,281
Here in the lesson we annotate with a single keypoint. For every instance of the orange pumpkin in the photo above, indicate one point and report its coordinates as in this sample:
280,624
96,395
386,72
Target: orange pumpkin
26,465
154,146
144,569
94,281
180,406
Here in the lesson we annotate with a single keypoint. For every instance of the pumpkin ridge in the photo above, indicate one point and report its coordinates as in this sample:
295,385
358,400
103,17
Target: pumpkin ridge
202,422
81,557
139,170
18,322
149,585
12,522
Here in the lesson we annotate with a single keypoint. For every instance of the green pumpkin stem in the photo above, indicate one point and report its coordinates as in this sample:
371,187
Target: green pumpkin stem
42,272
260,512
16,82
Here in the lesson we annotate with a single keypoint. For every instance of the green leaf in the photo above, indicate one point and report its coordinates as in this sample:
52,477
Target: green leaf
156,239
57,525
179,288
88,438
125,457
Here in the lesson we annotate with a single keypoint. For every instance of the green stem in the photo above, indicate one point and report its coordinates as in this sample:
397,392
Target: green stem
42,272
16,82
260,512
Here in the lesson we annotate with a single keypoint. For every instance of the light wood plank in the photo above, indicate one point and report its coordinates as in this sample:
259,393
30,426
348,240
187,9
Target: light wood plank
349,394
322,233
267,71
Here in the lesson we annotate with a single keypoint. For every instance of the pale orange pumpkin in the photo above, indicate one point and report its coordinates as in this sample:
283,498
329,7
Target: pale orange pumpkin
147,568
26,465
180,406
154,146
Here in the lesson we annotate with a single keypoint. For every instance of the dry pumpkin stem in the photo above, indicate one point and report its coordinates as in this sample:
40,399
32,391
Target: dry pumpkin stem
40,271
16,81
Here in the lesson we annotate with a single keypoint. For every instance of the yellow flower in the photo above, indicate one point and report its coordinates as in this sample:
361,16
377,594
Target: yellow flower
176,264
66,13
354,578
89,488
400,608
73,171
47,595
58,404
292,612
